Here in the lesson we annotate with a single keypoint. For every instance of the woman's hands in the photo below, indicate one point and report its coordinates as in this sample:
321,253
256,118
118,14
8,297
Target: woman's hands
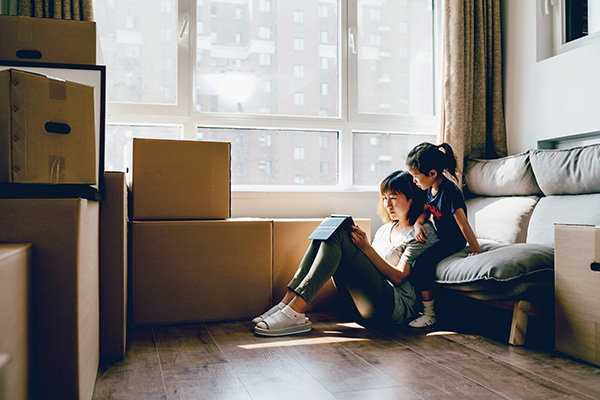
359,238
395,274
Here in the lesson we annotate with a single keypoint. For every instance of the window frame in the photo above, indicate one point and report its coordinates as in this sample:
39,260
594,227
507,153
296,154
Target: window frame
349,121
559,26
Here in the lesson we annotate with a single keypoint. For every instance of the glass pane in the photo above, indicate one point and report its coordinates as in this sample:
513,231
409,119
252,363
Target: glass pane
246,64
139,44
117,136
395,57
278,157
375,155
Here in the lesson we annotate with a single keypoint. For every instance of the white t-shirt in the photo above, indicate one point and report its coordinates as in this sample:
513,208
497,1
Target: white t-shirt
405,248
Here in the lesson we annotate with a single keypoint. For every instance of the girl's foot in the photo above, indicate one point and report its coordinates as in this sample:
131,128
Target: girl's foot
423,321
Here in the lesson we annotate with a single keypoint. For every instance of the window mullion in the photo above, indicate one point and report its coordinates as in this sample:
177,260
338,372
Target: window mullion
186,52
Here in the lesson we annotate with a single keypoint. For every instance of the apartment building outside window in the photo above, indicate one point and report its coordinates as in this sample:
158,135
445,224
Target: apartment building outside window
344,73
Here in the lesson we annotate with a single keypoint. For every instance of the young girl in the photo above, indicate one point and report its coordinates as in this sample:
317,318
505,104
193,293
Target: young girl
446,203
371,279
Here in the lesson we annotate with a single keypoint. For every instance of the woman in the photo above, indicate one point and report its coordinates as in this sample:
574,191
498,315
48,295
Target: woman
371,278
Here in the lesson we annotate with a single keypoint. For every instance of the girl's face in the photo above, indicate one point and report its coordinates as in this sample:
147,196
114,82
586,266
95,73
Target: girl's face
423,181
396,204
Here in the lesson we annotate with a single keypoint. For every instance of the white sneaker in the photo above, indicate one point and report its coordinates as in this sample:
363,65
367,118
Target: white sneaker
423,321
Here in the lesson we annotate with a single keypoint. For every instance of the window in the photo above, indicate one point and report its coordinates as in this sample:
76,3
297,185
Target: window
299,153
574,23
299,71
265,5
254,74
264,32
299,17
323,11
324,37
263,59
299,44
324,62
299,99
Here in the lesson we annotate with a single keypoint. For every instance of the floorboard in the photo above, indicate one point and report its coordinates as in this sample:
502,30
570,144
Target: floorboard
338,359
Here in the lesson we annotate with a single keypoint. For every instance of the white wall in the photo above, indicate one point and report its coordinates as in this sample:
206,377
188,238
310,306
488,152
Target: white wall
359,204
554,97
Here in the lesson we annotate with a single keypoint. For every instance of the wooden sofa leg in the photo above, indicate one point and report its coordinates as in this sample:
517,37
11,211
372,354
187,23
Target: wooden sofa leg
518,329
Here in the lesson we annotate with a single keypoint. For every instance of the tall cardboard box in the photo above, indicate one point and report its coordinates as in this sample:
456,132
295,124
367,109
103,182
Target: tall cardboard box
195,271
577,279
113,267
15,275
47,130
47,40
179,179
65,305
4,361
290,242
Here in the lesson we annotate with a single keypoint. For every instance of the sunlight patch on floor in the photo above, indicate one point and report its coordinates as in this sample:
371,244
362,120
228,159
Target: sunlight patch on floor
441,333
350,325
302,342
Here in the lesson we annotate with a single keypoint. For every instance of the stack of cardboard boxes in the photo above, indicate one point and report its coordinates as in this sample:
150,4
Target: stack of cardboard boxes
191,262
49,256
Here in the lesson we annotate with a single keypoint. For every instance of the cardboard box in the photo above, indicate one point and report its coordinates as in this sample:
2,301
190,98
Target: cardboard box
47,130
65,306
47,40
290,242
577,279
179,179
4,361
195,271
15,275
113,267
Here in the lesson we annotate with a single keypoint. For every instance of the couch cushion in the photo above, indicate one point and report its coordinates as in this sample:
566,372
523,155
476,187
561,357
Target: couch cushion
567,171
570,209
507,176
497,262
502,219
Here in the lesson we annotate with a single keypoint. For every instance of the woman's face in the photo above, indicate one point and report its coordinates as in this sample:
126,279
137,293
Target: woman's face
396,204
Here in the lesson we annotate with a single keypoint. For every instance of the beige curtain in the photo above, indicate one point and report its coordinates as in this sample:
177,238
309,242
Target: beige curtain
79,10
473,113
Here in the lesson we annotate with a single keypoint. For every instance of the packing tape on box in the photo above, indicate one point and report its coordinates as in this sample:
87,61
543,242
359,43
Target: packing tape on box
56,169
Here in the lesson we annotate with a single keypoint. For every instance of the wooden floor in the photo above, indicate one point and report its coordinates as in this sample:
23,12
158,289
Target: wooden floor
338,359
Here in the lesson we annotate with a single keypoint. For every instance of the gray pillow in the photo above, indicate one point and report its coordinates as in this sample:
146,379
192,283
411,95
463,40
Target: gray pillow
502,219
568,171
498,262
580,209
507,176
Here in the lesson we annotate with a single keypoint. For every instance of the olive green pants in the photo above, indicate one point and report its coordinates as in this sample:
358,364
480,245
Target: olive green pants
357,280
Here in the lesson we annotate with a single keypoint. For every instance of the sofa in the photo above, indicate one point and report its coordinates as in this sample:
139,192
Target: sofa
512,206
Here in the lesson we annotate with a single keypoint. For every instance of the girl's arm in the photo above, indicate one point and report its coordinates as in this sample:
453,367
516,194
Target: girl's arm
420,232
463,224
395,274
